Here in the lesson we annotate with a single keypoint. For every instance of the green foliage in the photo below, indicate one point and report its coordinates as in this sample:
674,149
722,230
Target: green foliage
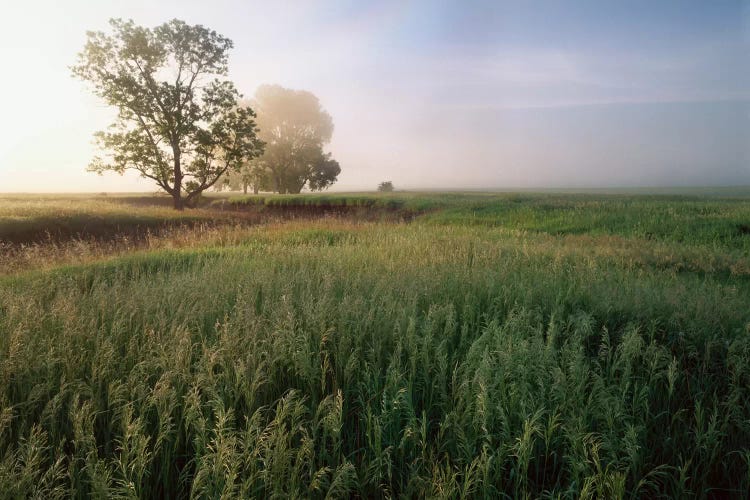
323,172
385,187
178,121
432,359
295,128
252,174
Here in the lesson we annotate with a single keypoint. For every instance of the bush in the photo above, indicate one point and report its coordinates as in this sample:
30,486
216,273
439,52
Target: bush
385,187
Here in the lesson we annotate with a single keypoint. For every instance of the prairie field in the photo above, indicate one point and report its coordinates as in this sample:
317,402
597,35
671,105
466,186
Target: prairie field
417,345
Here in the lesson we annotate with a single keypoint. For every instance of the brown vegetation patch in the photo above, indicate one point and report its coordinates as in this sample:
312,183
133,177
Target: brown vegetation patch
324,210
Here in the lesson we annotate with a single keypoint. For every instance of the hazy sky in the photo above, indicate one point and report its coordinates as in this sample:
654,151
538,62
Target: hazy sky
479,94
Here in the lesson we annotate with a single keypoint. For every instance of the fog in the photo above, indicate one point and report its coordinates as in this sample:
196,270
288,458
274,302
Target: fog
439,95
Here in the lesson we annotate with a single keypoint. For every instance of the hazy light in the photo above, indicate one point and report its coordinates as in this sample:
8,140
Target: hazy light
474,94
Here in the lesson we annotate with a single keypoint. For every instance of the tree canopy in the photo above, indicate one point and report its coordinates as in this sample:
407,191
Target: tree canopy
295,128
253,174
385,187
178,122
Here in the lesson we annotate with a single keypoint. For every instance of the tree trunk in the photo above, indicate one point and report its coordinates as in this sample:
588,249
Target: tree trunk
178,202
256,188
177,193
244,187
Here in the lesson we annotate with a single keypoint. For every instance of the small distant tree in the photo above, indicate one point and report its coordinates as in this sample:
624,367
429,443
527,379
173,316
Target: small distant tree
385,187
179,122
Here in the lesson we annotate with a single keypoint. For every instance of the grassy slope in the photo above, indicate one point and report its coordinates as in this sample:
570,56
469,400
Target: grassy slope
43,219
439,358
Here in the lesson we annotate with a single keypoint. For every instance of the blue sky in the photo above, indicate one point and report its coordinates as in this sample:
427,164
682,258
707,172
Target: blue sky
429,94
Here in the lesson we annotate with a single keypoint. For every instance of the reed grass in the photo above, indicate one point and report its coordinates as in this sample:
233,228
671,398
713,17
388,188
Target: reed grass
335,358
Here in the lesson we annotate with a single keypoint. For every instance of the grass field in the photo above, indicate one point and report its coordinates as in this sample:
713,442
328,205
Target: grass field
486,346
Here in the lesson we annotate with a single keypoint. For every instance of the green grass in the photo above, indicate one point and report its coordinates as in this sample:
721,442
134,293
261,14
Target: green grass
687,219
545,347
380,201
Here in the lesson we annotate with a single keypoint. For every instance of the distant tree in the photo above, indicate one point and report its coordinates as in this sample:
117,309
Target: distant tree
385,187
252,175
295,128
179,123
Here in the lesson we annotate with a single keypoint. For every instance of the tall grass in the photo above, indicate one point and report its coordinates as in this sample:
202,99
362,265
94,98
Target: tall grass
336,360
53,219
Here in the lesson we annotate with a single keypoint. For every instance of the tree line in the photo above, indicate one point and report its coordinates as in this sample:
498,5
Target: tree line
183,124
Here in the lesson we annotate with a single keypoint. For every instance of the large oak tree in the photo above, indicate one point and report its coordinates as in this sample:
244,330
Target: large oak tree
178,122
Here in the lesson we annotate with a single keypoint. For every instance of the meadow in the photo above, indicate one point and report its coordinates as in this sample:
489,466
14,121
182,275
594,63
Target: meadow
439,345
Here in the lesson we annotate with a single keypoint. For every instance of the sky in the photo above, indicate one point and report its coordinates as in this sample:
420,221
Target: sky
427,94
